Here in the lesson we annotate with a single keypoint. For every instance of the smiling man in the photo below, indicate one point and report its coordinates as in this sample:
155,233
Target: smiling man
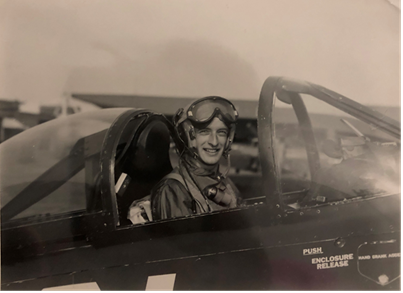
205,131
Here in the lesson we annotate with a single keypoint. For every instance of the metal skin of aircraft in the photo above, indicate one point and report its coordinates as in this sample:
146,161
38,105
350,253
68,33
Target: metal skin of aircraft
65,225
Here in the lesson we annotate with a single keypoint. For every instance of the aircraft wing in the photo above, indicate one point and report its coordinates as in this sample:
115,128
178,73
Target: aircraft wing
166,105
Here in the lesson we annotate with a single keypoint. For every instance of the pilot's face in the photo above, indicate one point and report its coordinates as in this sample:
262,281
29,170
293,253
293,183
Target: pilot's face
210,141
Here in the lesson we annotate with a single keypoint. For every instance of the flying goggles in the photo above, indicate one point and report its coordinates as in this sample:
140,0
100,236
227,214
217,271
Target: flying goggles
205,109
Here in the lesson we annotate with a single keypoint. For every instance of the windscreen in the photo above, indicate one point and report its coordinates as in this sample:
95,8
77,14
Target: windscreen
29,154
333,156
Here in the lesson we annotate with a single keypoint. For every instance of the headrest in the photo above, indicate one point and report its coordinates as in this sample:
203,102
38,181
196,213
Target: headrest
150,151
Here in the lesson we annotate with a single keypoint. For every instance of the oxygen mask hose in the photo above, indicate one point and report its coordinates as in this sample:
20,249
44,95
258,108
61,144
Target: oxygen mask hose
218,196
215,194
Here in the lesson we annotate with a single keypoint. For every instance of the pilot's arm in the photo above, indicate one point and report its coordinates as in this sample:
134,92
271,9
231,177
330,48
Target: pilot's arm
170,199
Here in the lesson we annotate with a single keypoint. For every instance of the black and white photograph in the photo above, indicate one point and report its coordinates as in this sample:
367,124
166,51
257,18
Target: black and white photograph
200,145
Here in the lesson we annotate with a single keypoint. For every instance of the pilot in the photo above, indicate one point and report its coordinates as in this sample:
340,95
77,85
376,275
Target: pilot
355,172
205,131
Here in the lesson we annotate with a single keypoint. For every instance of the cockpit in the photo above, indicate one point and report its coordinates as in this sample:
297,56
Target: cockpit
70,164
95,165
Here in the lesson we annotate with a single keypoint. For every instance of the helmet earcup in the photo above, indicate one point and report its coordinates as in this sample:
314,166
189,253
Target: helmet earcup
181,130
192,134
189,132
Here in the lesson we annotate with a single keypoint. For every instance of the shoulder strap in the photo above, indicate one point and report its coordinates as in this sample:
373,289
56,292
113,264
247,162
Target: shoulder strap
194,191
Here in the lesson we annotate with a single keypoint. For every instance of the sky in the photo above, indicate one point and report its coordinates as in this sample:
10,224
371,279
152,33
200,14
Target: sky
194,48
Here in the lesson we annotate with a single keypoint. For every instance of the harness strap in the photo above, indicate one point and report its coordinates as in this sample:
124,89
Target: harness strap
194,191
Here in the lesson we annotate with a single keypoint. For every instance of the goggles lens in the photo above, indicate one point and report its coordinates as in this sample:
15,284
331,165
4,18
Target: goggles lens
206,109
